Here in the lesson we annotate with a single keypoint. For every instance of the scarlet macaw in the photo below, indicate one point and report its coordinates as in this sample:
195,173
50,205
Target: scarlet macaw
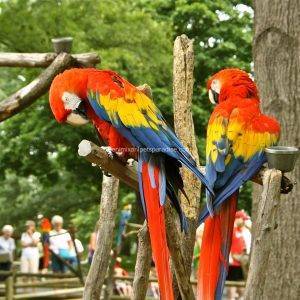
125,119
237,134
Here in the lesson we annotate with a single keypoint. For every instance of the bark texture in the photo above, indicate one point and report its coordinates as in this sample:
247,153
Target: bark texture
37,60
143,264
277,68
265,239
108,210
179,266
183,82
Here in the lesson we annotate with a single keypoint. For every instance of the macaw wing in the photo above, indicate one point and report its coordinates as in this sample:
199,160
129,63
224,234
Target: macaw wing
235,150
134,115
137,118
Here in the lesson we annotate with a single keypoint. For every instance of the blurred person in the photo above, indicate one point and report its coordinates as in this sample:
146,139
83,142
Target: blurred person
238,254
30,240
123,287
154,288
60,243
124,218
7,248
92,244
197,248
73,255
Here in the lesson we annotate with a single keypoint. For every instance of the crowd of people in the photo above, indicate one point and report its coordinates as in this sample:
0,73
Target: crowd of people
50,246
39,247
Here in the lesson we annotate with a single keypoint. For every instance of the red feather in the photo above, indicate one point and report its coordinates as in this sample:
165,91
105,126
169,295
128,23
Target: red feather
157,231
217,235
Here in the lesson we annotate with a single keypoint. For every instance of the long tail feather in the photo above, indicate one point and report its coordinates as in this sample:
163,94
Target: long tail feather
151,182
215,250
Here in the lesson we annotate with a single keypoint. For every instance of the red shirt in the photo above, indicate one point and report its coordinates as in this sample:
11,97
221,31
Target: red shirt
238,245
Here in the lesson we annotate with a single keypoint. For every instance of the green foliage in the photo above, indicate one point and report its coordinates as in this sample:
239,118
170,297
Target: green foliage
39,168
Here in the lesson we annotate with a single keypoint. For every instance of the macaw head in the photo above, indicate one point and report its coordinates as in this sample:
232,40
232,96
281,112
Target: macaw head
230,82
67,97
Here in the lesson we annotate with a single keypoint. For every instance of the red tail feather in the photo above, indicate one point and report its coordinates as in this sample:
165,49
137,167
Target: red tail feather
215,249
157,230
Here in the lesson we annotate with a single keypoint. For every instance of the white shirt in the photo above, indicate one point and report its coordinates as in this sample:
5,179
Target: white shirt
247,238
31,252
79,248
7,245
59,240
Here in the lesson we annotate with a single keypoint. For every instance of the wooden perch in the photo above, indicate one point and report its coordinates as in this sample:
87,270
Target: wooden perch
128,174
42,60
143,264
265,237
183,82
99,266
116,167
28,94
56,63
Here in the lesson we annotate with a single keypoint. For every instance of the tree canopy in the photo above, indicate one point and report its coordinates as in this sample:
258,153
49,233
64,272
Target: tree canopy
40,171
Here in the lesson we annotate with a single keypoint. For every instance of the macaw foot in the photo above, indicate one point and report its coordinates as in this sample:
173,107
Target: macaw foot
107,174
109,151
130,162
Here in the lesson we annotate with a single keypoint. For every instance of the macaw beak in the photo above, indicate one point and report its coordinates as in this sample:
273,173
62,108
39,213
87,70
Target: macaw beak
78,116
213,96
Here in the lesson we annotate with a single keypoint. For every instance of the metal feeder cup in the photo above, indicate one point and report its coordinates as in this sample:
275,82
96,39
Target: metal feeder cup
282,158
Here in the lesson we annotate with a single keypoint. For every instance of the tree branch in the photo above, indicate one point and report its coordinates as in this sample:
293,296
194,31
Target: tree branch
28,94
128,174
143,264
42,60
100,263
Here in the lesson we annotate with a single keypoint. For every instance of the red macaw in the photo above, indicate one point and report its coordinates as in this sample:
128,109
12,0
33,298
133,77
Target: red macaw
127,119
237,134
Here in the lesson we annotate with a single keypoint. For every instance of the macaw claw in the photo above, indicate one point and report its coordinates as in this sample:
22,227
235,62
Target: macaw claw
130,162
109,151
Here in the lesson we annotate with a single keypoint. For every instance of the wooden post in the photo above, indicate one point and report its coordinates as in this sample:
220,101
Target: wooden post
108,210
9,287
183,82
264,239
143,264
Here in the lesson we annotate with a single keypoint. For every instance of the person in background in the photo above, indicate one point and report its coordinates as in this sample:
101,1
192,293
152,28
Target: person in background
80,249
197,248
124,218
154,289
7,248
238,255
30,251
60,243
92,244
123,287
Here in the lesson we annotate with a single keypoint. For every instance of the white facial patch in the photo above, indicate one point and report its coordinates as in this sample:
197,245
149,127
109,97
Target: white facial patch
71,101
216,86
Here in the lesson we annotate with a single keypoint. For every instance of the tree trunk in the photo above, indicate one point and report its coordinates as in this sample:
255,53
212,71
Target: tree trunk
108,209
143,264
183,82
277,68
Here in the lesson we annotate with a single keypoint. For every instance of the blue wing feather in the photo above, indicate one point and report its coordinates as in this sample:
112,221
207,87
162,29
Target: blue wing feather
245,173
